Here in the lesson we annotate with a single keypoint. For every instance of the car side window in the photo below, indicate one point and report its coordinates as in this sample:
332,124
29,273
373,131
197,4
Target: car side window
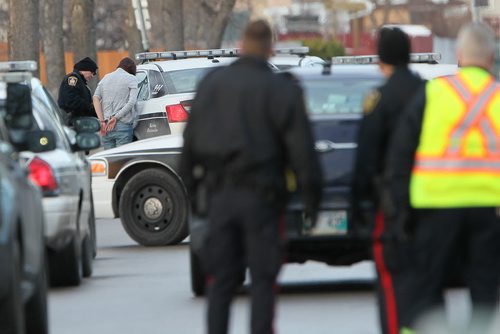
44,121
156,84
142,79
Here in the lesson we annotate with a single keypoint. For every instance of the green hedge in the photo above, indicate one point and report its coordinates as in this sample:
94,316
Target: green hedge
325,49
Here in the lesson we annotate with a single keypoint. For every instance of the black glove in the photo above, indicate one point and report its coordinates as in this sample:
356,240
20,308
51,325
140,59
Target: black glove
398,217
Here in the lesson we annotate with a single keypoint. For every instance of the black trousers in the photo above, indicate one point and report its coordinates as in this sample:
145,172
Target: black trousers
443,236
394,264
244,233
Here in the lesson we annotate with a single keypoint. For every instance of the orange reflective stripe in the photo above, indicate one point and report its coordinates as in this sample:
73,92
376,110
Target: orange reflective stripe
473,117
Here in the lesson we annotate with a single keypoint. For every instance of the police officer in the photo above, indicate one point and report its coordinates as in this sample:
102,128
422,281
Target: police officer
382,109
74,95
247,126
446,155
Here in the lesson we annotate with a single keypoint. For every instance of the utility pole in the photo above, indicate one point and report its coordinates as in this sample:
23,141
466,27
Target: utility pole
143,21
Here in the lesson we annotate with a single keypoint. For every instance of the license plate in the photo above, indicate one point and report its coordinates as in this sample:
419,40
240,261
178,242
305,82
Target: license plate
330,223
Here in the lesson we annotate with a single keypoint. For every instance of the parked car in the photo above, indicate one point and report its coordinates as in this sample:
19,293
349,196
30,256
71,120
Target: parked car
23,277
64,176
168,80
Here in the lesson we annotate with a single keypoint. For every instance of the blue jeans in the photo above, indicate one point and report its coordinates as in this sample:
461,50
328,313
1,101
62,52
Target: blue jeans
122,134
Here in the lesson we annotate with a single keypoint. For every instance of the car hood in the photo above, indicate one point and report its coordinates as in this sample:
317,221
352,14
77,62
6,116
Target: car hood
155,143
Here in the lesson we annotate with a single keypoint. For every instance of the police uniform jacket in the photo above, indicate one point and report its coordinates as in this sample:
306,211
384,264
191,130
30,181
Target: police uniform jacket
382,109
247,126
75,96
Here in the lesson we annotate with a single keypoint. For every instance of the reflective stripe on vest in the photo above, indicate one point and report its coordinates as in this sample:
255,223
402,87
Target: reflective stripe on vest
453,176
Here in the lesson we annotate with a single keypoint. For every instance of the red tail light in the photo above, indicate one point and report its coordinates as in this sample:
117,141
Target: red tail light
176,113
41,174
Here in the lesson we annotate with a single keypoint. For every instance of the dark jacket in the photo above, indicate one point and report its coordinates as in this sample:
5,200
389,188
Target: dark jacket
401,152
75,97
247,126
382,112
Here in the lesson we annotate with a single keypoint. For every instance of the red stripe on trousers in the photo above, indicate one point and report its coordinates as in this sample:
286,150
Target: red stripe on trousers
384,276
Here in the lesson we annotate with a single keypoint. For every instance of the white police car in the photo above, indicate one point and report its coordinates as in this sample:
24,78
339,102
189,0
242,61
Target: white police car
168,80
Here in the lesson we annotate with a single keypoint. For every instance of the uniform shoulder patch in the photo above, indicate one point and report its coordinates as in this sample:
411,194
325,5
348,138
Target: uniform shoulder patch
371,100
72,80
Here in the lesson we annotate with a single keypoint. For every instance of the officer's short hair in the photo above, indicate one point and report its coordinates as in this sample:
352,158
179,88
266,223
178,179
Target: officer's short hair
476,42
393,46
259,34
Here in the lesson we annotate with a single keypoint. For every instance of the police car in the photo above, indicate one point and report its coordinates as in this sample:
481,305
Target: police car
168,80
142,180
63,175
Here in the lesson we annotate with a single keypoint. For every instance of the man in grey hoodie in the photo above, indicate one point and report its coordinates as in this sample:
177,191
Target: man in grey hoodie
114,102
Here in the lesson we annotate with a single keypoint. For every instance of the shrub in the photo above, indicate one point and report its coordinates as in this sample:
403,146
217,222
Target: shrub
325,49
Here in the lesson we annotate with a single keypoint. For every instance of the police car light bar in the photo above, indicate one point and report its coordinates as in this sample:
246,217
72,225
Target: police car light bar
373,59
230,52
18,66
298,51
15,77
144,56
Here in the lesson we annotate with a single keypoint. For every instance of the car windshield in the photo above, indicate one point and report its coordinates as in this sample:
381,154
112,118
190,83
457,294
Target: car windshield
184,81
337,97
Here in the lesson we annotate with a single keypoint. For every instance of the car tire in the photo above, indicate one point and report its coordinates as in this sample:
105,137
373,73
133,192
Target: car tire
154,208
66,265
11,308
87,258
198,278
36,309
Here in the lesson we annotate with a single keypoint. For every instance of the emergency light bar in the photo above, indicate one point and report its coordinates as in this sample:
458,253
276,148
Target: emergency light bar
298,51
18,66
230,52
144,56
431,58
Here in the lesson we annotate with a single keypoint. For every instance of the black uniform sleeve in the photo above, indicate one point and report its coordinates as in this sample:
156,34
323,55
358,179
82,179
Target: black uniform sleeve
299,143
369,153
71,98
402,148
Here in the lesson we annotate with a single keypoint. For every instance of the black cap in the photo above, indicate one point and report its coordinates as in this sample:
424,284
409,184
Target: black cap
393,46
86,64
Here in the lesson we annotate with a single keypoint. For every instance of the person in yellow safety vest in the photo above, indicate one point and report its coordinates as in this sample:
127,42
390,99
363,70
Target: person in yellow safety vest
445,159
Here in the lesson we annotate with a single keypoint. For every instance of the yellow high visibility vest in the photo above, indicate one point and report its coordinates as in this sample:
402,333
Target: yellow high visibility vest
457,162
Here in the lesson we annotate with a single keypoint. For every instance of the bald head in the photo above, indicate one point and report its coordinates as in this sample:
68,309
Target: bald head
476,46
257,39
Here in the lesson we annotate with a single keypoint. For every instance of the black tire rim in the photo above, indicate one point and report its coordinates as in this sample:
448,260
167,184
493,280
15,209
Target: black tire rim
152,208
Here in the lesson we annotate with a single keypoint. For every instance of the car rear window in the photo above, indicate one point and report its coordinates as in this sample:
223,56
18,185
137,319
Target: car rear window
184,81
337,97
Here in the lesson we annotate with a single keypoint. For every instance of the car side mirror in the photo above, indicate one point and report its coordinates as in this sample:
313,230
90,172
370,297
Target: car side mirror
40,141
19,109
86,124
86,141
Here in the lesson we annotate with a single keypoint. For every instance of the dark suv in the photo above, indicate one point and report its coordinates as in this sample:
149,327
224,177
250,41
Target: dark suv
23,279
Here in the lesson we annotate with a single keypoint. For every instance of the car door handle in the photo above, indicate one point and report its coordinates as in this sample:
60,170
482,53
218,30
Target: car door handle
323,146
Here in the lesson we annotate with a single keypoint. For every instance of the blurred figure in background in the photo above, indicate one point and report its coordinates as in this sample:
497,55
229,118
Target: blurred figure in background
382,109
114,101
75,97
261,129
446,154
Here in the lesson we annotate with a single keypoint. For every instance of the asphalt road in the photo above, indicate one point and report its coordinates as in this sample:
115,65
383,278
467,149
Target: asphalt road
137,290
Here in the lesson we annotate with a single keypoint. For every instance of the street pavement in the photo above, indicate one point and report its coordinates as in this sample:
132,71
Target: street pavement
136,290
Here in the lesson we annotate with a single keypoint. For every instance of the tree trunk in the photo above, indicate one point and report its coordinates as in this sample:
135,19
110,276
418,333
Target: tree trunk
83,42
53,44
174,27
133,34
24,34
217,13
167,24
